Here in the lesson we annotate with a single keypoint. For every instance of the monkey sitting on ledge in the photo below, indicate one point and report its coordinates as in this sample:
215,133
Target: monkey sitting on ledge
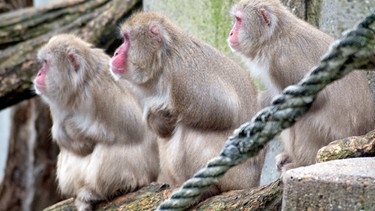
105,146
193,97
281,49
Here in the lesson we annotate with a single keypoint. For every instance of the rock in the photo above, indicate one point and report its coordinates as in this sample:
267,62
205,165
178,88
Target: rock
347,184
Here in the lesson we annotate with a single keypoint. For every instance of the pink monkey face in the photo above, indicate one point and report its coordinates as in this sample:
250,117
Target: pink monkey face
233,35
118,61
40,79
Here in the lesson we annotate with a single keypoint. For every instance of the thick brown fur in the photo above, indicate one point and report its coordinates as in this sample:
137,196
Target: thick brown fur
281,49
193,97
105,146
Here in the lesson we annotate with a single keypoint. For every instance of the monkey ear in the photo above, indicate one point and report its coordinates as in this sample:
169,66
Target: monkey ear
72,57
266,16
154,29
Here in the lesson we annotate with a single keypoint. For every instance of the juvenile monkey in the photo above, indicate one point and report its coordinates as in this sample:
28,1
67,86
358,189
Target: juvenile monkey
280,49
105,146
193,97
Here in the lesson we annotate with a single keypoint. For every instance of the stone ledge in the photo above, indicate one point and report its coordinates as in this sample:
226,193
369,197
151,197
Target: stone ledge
347,184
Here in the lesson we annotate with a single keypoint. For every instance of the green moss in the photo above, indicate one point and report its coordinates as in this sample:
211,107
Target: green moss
214,206
209,20
313,12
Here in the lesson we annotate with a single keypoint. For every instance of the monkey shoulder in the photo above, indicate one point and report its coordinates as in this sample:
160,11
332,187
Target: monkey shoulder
207,104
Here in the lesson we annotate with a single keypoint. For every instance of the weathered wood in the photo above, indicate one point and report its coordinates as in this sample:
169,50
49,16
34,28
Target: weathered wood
29,181
22,32
9,5
267,197
351,147
148,198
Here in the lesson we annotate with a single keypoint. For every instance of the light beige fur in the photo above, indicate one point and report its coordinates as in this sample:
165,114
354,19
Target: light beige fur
106,148
193,97
281,49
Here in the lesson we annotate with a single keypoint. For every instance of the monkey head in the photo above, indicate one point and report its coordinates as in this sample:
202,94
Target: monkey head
138,59
62,72
254,25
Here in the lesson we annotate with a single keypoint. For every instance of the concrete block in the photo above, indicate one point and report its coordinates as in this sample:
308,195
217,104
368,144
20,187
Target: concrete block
269,170
335,185
337,16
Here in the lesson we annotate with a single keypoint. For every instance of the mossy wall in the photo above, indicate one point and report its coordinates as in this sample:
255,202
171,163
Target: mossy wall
206,19
337,16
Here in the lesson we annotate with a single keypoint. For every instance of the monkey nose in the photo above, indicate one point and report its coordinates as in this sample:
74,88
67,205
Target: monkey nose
116,52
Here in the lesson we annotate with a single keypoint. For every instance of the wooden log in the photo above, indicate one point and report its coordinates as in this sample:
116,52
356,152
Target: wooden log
351,147
23,32
29,181
267,197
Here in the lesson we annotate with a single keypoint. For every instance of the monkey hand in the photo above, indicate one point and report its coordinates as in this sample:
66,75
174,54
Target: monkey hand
79,148
162,121
282,161
74,140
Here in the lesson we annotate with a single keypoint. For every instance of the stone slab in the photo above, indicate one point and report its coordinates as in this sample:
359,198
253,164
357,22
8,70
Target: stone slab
335,185
269,171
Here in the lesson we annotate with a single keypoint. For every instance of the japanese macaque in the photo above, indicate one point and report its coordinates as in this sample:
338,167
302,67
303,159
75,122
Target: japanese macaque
105,146
281,49
193,97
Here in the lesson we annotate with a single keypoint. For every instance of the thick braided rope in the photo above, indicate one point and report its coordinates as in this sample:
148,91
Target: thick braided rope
355,50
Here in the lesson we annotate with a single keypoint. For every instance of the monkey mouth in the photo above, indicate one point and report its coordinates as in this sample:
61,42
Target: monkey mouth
39,87
114,74
233,45
117,70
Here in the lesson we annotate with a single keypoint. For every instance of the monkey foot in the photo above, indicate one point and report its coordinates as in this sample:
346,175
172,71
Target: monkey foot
282,160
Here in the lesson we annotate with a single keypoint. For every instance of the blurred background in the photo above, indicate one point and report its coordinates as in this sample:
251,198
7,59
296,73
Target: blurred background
27,153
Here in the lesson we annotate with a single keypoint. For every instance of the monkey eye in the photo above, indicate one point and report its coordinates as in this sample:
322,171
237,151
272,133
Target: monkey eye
43,61
238,19
126,36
